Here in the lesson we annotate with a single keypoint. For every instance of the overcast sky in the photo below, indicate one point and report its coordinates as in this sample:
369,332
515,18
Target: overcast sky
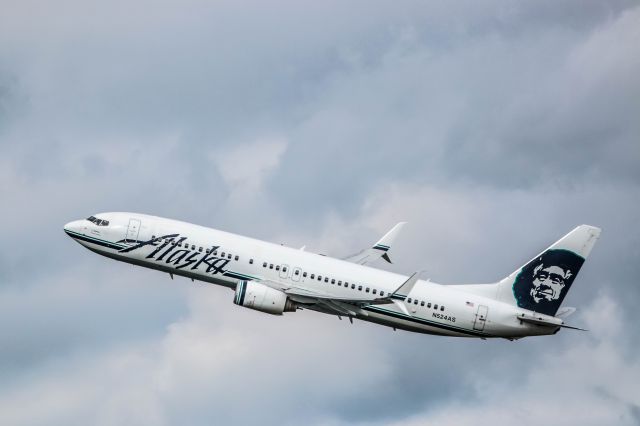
492,127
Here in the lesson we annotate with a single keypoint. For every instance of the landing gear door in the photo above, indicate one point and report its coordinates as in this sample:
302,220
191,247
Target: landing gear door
132,231
481,318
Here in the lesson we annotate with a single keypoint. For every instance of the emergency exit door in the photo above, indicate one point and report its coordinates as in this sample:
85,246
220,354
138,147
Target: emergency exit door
481,318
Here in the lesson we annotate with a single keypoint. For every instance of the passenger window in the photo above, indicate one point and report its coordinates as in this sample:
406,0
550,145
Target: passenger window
237,257
200,249
319,277
409,300
297,272
381,293
277,267
215,253
429,305
359,288
422,303
229,256
374,291
284,269
353,286
222,254
304,274
264,265
367,290
193,246
271,266
442,308
333,281
340,283
415,302
435,307
250,261
313,276
326,279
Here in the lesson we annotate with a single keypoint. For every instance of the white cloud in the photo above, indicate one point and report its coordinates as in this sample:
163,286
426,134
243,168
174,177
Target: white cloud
394,114
245,167
589,382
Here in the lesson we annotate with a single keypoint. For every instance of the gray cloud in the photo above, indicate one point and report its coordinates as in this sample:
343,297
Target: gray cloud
493,129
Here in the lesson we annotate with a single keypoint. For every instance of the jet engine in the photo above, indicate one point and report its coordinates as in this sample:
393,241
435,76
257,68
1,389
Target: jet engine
262,298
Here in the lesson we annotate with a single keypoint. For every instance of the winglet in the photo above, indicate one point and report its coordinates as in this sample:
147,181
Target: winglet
384,243
408,285
379,249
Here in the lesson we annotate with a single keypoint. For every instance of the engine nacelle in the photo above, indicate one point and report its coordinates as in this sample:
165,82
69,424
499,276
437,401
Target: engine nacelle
262,298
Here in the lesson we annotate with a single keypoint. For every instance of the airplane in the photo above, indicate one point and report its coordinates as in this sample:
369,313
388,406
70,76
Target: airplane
275,279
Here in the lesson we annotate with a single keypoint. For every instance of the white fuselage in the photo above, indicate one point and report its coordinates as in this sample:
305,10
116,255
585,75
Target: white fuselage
226,259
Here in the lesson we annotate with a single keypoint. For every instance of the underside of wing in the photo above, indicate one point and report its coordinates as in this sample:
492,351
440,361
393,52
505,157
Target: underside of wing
351,306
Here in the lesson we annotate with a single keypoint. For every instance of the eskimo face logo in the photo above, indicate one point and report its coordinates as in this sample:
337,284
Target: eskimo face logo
548,282
542,284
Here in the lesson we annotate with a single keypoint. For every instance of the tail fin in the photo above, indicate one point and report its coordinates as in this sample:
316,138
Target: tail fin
544,281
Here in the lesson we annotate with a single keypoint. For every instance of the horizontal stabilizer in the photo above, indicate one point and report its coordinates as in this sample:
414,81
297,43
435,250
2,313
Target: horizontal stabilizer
565,312
546,321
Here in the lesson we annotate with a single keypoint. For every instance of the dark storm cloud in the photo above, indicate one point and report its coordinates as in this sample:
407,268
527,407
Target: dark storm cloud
492,128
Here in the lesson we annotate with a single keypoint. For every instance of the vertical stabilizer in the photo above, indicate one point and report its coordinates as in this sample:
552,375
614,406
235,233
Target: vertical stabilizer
545,280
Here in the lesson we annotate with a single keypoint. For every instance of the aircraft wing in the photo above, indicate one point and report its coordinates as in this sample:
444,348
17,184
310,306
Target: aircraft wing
340,305
306,295
351,306
379,249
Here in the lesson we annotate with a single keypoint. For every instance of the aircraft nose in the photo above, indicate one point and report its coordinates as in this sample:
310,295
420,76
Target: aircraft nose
72,226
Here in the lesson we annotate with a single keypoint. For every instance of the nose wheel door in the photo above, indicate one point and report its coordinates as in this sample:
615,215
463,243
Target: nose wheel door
132,231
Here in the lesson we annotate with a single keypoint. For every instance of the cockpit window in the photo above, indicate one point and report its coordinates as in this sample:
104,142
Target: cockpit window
99,222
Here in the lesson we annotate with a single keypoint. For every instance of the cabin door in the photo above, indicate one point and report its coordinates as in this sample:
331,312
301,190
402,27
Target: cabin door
133,230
